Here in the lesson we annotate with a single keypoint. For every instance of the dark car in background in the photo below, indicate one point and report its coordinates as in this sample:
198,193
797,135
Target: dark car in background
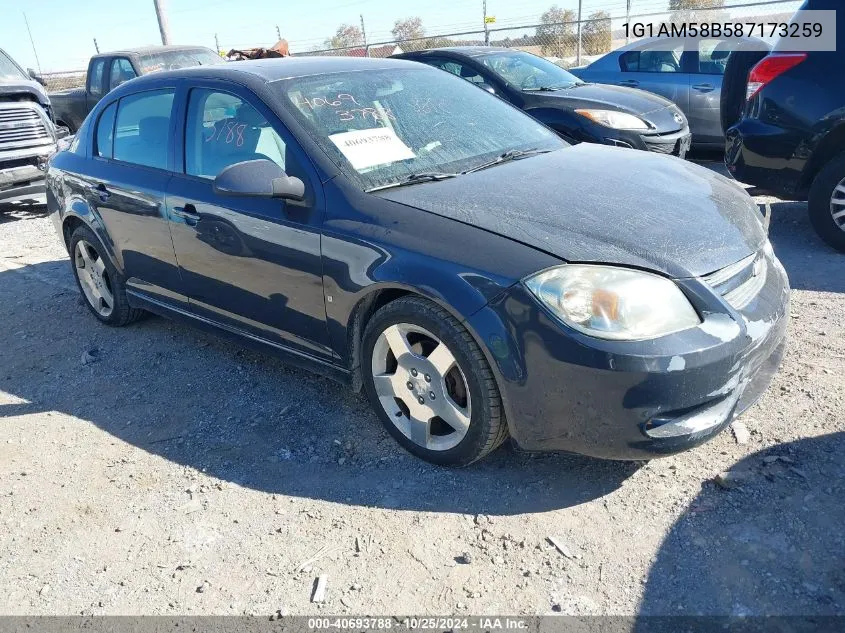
577,111
396,228
27,134
791,138
108,70
688,75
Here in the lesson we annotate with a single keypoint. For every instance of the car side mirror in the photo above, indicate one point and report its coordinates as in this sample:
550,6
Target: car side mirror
261,178
35,76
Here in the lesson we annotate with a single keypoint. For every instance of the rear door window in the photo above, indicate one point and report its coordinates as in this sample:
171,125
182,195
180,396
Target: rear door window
121,72
104,134
712,57
652,61
142,128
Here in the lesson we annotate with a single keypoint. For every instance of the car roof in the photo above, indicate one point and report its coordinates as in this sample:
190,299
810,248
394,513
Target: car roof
467,51
152,50
267,70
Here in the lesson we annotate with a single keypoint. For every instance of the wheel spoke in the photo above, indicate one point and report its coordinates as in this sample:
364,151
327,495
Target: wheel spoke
841,187
397,341
839,214
442,359
453,415
384,385
82,247
420,428
99,266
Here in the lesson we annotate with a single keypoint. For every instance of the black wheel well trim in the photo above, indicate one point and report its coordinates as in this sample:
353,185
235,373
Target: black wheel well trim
379,297
831,146
72,221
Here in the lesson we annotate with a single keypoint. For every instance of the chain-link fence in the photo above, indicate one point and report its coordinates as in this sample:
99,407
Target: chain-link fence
575,42
568,43
66,80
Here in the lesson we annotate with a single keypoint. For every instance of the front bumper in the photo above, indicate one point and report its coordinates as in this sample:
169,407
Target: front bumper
673,143
565,391
22,172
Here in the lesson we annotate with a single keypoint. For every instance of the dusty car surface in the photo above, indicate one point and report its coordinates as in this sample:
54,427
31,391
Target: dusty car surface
396,228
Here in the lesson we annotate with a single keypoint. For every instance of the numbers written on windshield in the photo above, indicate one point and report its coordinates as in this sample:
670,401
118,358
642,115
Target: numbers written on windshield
340,104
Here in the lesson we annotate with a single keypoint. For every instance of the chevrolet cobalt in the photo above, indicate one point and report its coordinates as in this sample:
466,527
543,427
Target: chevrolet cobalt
398,229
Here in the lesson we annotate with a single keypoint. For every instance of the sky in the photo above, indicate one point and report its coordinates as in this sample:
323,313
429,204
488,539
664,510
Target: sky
63,30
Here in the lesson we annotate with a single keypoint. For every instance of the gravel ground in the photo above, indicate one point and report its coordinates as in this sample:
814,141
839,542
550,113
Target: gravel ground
156,469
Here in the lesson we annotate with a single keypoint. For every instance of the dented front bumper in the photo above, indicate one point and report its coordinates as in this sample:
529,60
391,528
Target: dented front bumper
563,390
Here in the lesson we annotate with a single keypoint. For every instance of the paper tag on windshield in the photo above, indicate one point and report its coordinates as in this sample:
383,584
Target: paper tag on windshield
367,148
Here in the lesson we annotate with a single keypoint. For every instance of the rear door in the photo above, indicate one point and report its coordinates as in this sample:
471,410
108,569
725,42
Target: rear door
660,68
252,264
131,166
708,68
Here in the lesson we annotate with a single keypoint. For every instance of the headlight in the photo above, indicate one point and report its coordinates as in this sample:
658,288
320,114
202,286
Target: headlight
616,120
614,303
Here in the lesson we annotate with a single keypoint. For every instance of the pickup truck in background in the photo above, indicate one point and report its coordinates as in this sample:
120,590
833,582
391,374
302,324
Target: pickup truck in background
106,71
28,136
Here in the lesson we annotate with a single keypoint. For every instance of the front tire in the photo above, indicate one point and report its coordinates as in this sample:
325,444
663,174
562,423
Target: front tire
430,383
102,286
827,203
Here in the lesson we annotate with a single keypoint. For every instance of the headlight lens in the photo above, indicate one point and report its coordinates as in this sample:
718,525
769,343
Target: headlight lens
616,120
614,303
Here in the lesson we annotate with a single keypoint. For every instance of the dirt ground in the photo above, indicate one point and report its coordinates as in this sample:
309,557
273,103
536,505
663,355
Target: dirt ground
156,469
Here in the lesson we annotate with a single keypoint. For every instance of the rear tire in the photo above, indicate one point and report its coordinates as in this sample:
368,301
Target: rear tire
416,385
827,200
103,288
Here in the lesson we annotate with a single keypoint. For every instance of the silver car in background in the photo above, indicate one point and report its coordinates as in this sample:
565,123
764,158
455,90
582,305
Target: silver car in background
692,79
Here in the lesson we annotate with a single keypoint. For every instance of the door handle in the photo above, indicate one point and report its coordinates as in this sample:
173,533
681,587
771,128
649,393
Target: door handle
633,83
101,192
703,87
187,213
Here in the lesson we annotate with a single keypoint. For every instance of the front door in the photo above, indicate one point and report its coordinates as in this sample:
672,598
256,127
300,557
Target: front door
658,67
250,264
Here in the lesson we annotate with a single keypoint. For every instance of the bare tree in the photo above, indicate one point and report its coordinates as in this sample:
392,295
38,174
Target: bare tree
556,33
692,10
596,33
346,36
408,29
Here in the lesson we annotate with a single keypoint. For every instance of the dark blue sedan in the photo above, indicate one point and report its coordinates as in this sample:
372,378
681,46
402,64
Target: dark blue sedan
396,228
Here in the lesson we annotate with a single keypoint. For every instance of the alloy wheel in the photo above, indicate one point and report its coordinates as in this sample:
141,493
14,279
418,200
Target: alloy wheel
93,278
837,205
421,387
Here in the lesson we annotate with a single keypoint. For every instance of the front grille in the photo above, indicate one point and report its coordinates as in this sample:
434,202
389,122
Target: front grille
739,283
22,125
661,148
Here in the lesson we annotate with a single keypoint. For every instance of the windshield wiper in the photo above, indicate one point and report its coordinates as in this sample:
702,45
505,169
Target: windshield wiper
514,154
414,179
547,88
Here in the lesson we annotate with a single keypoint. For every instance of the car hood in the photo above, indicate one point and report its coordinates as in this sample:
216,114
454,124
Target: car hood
653,108
16,88
591,203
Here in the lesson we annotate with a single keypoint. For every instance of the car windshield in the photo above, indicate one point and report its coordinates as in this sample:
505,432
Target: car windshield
9,69
385,126
525,71
173,60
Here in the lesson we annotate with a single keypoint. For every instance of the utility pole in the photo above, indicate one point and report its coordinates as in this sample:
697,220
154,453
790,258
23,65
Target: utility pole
161,14
96,46
216,44
278,32
627,19
486,32
578,52
364,35
31,41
